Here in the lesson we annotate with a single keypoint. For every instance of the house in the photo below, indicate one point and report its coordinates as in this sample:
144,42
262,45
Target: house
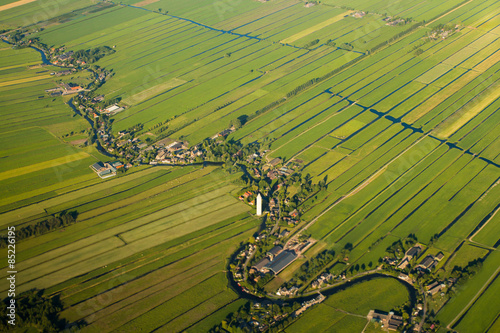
439,256
175,146
295,213
434,288
284,233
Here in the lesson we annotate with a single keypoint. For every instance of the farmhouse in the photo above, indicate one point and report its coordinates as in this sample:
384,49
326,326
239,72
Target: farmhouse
105,170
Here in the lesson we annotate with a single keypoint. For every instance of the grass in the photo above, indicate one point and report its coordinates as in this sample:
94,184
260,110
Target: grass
380,293
481,315
150,246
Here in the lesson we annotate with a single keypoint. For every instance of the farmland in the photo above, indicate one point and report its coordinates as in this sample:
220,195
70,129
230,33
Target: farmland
385,114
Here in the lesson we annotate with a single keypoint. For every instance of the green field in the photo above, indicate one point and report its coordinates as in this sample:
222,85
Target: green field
401,126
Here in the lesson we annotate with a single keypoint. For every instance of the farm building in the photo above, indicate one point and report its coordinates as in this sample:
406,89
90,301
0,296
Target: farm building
260,264
98,166
274,251
275,161
427,263
414,251
281,261
113,109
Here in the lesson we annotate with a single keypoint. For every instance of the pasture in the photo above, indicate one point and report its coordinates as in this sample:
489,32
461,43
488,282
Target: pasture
406,141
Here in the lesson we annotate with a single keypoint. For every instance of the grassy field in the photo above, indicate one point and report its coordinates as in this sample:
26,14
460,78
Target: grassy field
403,129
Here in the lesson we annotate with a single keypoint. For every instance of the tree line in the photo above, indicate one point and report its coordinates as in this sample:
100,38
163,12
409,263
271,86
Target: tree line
42,227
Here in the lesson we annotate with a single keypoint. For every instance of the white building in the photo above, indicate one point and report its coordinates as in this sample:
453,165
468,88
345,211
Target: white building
259,205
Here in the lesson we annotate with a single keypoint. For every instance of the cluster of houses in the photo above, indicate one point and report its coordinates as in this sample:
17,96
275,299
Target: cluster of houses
106,170
427,264
224,133
63,72
389,320
284,291
392,21
444,32
176,152
322,279
64,89
256,159
306,304
358,14
62,58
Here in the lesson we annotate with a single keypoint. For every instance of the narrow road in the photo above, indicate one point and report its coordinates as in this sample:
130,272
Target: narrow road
424,311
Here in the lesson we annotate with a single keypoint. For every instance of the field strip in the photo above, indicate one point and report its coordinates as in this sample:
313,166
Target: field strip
43,165
488,62
469,114
25,80
436,99
153,91
358,188
25,212
17,66
168,214
315,28
310,128
60,188
492,277
15,4
447,13
151,258
138,290
491,217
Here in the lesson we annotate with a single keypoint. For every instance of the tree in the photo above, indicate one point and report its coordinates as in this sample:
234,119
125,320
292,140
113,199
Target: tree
236,123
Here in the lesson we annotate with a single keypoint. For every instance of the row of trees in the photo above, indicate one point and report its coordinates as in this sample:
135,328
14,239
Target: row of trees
312,267
36,312
43,227
92,55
